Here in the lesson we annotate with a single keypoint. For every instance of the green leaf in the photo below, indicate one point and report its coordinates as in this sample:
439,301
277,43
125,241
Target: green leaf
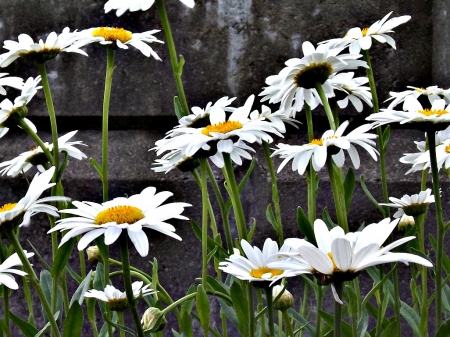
349,186
391,329
45,282
305,226
363,324
97,167
222,254
72,326
179,112
271,218
203,308
229,312
327,219
305,324
443,329
346,328
118,326
186,325
240,304
46,326
99,283
78,295
410,316
370,196
351,299
62,257
73,274
377,286
250,233
385,136
4,328
188,305
26,328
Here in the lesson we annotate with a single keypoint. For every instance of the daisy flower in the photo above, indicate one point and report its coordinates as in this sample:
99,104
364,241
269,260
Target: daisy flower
341,257
9,81
6,278
121,6
351,89
117,300
19,214
415,113
36,157
318,150
11,112
120,38
132,214
254,267
278,119
296,83
357,38
40,52
433,93
413,205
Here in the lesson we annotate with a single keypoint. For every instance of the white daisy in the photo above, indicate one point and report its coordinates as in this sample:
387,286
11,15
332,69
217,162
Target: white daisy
341,257
318,150
433,93
36,157
6,278
255,266
413,205
9,81
121,38
415,113
277,118
296,83
121,6
357,38
132,214
40,52
19,214
351,89
11,112
117,300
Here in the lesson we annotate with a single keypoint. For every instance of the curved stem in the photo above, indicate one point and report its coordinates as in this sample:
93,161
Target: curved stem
178,302
177,67
287,323
326,105
36,138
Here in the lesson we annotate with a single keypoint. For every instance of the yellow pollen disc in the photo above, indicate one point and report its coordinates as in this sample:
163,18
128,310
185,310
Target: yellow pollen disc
364,31
428,112
113,34
7,207
316,142
332,260
119,215
223,127
447,149
258,273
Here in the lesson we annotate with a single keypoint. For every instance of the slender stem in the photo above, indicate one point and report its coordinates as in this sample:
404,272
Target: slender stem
439,225
5,291
29,300
34,280
275,195
36,138
338,311
338,193
269,301
251,314
178,302
373,88
177,67
125,258
287,323
319,297
304,305
233,190
259,308
326,105
121,322
223,318
420,224
205,199
311,180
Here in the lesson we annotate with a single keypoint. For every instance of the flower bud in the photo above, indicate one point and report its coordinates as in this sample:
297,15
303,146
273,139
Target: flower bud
405,221
153,319
93,254
286,300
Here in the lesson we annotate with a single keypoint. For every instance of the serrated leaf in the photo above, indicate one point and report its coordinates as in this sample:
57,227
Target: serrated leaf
61,258
203,307
72,326
305,226
349,186
26,328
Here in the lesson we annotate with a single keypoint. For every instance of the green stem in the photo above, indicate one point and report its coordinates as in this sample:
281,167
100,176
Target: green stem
34,280
319,297
29,300
223,318
439,225
121,322
304,305
5,291
177,67
338,193
373,88
259,308
275,195
287,323
36,138
312,176
106,99
251,314
420,228
338,310
178,302
233,191
269,301
205,199
125,258
326,105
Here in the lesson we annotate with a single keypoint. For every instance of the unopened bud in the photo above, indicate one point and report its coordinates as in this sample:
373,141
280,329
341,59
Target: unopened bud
286,300
93,254
153,319
405,221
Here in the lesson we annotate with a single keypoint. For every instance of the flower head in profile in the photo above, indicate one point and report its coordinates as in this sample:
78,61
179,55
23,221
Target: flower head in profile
121,6
6,270
40,52
11,113
116,37
254,267
36,156
415,113
341,257
357,38
117,300
332,143
413,205
10,81
19,214
297,82
131,214
433,93
349,89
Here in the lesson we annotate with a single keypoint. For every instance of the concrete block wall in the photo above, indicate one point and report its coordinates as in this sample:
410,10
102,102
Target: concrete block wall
230,47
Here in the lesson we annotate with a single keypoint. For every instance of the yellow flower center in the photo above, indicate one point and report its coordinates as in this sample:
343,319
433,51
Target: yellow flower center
265,272
447,149
113,34
223,127
119,215
429,112
7,207
332,260
321,140
364,31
